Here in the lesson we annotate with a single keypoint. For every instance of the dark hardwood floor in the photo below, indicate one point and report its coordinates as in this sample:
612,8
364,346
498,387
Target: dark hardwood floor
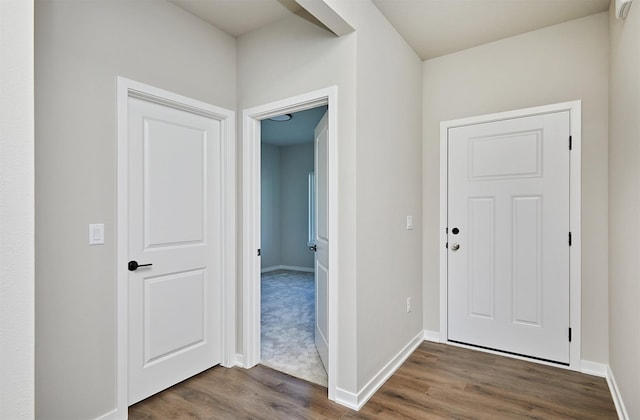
437,381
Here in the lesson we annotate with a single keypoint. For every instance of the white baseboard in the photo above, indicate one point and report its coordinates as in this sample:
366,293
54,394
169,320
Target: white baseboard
433,336
617,397
111,415
593,368
239,360
357,401
286,267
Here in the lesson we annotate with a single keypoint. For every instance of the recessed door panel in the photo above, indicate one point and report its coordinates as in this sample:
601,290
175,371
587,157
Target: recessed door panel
174,314
527,260
481,256
175,183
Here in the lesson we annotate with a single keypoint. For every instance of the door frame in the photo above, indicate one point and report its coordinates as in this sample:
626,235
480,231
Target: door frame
575,277
251,118
127,88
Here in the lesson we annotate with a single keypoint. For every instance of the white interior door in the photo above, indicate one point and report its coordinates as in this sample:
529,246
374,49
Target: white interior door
175,219
508,235
321,142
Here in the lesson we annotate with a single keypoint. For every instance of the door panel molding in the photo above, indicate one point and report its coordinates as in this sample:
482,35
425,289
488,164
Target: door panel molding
251,118
127,89
575,281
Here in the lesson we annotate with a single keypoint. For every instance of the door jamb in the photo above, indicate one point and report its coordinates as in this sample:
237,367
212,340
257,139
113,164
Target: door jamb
251,221
575,276
127,88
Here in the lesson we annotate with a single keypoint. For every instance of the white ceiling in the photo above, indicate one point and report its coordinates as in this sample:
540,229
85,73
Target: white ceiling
431,27
238,17
438,27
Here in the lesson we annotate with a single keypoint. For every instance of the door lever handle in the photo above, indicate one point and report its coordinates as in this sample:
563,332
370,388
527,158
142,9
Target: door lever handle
313,248
133,265
455,247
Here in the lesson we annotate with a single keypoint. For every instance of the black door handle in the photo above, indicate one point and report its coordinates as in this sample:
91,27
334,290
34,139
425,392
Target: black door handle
133,265
313,248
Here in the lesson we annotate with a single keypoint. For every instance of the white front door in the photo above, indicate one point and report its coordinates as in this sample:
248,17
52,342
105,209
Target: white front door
321,213
175,231
508,235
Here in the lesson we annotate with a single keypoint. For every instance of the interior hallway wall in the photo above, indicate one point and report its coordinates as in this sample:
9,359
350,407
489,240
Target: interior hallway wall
16,211
81,46
624,207
270,214
560,63
297,162
388,186
288,58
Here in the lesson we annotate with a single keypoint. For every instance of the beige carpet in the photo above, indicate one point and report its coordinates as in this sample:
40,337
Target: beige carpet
287,326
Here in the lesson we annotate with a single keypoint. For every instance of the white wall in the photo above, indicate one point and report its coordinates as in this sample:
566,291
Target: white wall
379,168
556,64
624,207
289,58
270,214
389,188
81,46
297,162
16,210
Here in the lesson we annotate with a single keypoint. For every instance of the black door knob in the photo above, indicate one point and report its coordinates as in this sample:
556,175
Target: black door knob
133,265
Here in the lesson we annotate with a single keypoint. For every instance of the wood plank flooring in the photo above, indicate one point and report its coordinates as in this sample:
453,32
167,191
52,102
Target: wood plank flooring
437,381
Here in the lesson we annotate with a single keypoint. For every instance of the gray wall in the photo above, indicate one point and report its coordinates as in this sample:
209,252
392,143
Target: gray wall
556,64
297,162
270,214
379,168
624,207
81,46
284,207
289,58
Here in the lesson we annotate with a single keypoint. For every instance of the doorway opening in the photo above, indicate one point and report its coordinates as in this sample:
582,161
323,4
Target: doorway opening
288,298
325,170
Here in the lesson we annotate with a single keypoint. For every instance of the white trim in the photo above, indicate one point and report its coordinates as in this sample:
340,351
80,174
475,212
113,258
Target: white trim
327,16
239,360
575,281
125,89
593,368
357,401
287,267
433,336
617,397
251,220
111,415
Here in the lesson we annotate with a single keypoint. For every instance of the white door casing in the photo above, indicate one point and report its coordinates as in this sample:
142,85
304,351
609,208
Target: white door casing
511,186
176,190
251,221
321,240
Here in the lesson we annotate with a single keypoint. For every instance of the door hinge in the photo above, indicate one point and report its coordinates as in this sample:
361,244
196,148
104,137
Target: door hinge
569,334
569,238
446,230
259,252
446,245
570,142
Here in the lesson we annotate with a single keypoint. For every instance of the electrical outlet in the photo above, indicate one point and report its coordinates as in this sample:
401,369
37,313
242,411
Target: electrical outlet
408,304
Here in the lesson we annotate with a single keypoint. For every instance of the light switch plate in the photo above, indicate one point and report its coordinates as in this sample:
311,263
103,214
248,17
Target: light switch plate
409,222
96,234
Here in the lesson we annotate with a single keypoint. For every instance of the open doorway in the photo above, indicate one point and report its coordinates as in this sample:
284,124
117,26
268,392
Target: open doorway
289,289
327,230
